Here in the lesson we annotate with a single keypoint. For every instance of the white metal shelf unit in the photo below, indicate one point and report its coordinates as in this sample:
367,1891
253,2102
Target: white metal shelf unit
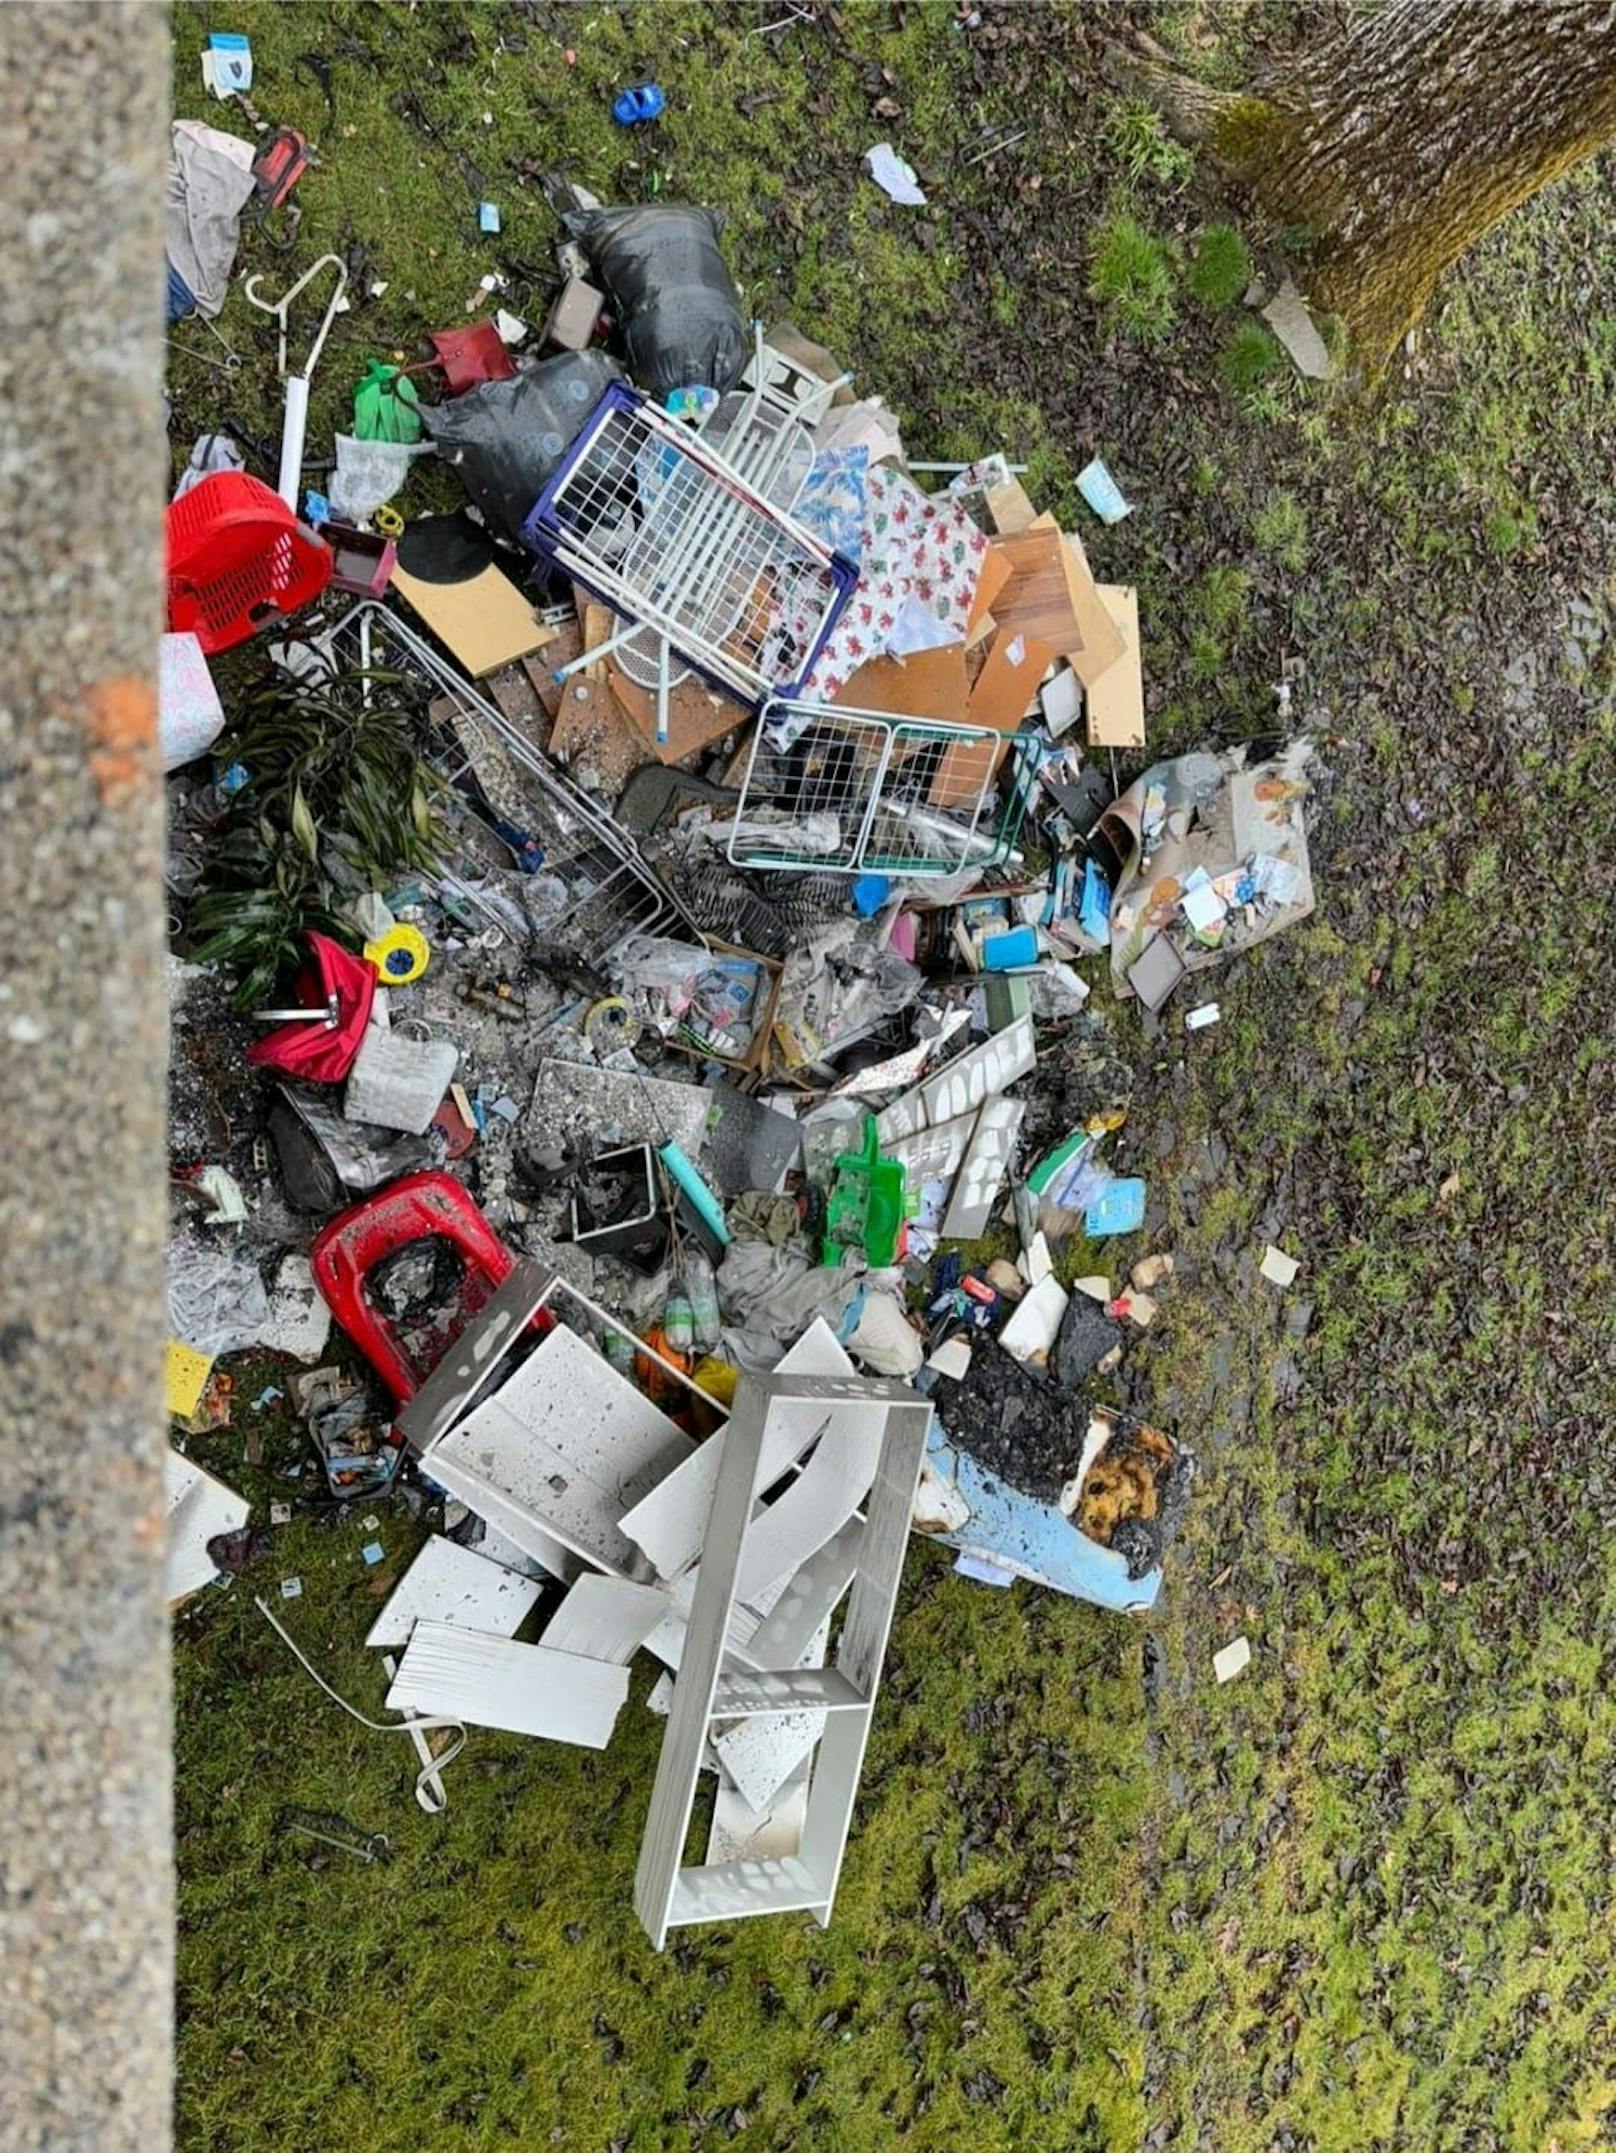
668,1892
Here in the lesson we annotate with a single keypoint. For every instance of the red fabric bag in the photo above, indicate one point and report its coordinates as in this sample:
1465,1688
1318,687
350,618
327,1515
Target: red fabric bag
316,1050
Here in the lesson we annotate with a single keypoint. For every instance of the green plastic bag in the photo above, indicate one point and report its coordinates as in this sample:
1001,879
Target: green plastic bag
384,405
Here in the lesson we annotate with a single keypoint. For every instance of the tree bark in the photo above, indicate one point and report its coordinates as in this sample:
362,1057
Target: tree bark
1391,147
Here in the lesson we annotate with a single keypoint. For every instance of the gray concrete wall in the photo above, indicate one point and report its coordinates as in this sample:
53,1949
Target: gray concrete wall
86,1897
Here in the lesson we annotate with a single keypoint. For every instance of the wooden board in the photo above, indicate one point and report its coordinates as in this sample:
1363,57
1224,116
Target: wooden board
566,644
697,716
518,702
485,621
1008,506
931,684
1037,598
1016,662
592,738
494,1682
1116,699
1101,645
994,575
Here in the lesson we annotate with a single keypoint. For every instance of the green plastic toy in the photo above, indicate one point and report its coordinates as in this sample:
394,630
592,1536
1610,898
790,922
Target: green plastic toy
868,1201
384,405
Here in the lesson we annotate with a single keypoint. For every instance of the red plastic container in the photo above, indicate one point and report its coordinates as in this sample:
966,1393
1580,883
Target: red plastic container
347,1250
238,561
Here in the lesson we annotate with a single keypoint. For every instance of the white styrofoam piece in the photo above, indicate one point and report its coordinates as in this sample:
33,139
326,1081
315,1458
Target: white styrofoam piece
1278,1266
963,1084
817,1504
669,1524
982,1170
1036,1322
605,1618
199,1509
454,1584
741,1833
495,1682
565,1442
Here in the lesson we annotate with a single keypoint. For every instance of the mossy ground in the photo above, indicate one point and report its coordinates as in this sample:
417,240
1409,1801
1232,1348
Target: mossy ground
1360,1898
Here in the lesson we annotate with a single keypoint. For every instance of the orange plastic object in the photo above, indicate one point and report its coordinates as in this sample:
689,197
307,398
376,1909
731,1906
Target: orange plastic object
238,561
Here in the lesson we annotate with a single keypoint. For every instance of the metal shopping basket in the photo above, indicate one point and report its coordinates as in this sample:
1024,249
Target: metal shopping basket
510,809
699,563
856,791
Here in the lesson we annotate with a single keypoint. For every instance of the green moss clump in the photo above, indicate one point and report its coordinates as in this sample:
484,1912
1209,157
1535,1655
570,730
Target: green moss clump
1221,268
1132,277
1247,359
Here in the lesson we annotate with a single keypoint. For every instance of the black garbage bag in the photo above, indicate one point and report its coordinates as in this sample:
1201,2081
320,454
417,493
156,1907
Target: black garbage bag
678,314
506,437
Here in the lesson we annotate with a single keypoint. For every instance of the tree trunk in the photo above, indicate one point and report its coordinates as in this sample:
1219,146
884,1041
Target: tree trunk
1395,144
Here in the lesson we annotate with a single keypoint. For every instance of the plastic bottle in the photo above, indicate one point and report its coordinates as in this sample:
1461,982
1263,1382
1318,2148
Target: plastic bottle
619,1351
701,1289
678,1317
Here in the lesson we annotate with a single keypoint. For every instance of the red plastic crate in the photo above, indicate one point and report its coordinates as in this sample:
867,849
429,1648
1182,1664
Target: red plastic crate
238,561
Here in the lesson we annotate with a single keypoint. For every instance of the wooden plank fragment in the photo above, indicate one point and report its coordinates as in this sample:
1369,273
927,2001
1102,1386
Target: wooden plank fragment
484,621
1116,699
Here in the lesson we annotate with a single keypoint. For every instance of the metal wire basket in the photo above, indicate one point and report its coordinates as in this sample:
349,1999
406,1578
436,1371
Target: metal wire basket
856,792
696,561
510,811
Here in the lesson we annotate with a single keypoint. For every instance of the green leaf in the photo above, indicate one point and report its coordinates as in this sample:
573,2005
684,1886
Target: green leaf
303,824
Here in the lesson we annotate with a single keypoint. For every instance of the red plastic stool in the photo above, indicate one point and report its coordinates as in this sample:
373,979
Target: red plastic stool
238,561
420,1207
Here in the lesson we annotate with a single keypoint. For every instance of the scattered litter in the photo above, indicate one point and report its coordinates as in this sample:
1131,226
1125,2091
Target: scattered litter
894,176
1102,493
1232,1659
740,938
1197,1020
1278,1268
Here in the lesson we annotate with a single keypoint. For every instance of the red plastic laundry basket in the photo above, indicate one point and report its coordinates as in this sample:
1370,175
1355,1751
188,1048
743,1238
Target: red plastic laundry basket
238,561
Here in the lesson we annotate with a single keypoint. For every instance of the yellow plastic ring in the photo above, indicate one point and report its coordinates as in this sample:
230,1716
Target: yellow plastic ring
400,956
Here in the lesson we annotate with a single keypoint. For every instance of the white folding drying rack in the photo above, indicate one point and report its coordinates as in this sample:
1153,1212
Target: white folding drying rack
857,791
702,567
767,441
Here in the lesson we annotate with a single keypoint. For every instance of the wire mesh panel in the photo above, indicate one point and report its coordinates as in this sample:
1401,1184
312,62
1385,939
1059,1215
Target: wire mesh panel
672,536
854,791
511,813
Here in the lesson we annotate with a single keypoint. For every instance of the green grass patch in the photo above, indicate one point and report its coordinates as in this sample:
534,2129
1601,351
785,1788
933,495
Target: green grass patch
1131,275
1221,267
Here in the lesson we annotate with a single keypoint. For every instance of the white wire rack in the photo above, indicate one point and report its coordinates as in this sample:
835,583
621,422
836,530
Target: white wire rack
507,807
699,564
857,792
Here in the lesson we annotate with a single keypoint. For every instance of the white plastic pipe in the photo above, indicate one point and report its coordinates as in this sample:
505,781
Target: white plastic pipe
293,429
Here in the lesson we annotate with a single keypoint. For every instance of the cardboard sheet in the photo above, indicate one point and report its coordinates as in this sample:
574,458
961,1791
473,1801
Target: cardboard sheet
484,621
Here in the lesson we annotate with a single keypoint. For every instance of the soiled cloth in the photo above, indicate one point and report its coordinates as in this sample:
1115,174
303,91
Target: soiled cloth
774,1292
216,1298
209,183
